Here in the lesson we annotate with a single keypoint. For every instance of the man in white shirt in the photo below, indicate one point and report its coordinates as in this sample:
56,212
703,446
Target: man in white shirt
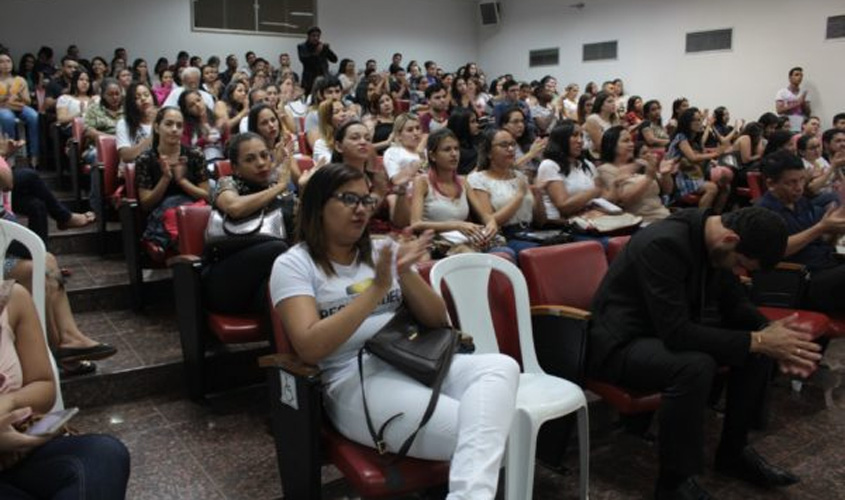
792,101
190,81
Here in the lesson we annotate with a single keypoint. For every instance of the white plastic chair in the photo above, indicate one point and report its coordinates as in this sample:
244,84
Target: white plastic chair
540,397
9,232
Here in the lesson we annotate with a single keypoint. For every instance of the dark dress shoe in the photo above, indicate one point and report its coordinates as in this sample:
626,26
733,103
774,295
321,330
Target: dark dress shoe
751,467
688,490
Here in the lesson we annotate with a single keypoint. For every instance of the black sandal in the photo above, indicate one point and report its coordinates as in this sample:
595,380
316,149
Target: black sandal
77,369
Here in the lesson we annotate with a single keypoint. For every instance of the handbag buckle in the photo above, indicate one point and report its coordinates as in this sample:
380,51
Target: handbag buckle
381,447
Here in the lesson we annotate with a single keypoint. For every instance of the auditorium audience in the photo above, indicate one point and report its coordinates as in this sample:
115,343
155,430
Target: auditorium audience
603,115
134,131
74,104
16,102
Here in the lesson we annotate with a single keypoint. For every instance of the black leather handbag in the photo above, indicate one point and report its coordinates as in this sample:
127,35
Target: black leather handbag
424,354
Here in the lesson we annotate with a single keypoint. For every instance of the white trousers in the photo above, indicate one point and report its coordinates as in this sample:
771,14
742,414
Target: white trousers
469,426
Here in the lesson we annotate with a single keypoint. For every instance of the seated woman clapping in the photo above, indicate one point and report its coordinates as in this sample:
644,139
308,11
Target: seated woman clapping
168,175
634,185
264,121
440,200
235,276
566,177
74,104
52,466
696,175
337,288
403,159
200,131
500,192
134,130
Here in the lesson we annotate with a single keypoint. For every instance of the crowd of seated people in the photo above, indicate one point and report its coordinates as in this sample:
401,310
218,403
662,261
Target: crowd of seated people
458,157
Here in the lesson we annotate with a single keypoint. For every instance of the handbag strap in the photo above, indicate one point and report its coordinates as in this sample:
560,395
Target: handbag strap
378,437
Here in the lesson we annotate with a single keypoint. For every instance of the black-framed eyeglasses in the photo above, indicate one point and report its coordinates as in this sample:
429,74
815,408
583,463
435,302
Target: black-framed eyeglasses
352,200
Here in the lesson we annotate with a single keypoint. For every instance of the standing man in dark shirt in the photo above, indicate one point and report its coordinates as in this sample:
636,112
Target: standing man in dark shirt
812,230
649,333
315,57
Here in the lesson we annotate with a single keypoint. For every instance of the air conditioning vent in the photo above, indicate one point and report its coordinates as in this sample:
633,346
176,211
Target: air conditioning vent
600,51
708,41
835,27
543,57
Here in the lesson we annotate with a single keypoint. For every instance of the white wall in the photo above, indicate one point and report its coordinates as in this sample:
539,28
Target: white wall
770,36
360,29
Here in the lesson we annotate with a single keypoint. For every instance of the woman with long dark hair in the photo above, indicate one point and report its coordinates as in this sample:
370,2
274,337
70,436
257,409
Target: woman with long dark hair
566,177
634,185
602,116
464,124
337,287
134,130
167,175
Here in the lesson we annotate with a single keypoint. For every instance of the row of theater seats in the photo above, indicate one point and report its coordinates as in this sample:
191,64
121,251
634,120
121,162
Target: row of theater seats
561,281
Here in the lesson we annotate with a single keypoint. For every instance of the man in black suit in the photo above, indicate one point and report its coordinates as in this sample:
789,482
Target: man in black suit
653,330
315,57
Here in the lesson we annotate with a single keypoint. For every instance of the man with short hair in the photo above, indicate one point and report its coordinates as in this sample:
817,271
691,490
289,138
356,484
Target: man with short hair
60,85
284,66
839,121
650,331
833,143
438,109
231,69
813,231
328,89
400,88
315,57
792,102
395,61
511,91
190,78
73,52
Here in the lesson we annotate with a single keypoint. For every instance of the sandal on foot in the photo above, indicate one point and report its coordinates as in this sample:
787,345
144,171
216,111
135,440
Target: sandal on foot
99,351
86,219
77,369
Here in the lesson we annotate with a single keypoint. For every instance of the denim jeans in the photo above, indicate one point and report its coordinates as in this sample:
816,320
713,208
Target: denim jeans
69,468
30,119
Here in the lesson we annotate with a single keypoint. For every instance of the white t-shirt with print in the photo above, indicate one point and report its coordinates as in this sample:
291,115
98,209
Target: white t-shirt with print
122,139
578,181
295,274
796,114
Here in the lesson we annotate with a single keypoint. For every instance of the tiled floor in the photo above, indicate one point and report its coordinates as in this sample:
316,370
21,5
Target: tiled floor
223,450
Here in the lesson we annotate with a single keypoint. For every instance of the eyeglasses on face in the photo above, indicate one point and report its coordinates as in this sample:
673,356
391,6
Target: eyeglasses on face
505,144
351,200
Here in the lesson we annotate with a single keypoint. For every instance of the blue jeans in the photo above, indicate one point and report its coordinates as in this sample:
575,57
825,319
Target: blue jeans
91,467
30,118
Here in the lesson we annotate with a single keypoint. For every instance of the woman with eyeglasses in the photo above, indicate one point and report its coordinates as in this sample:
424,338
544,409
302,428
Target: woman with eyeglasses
336,289
820,176
235,279
501,194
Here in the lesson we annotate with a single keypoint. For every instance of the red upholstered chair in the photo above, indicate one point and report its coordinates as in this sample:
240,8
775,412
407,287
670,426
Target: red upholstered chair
139,254
305,438
304,147
756,185
104,178
223,168
562,280
402,105
615,246
195,321
305,163
75,149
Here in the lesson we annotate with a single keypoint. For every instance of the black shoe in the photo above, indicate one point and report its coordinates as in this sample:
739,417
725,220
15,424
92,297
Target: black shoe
688,490
750,466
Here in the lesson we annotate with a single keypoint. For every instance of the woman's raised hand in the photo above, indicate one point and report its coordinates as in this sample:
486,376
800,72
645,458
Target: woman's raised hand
412,250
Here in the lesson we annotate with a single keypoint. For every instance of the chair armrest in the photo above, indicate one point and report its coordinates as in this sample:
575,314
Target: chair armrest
290,363
564,311
791,266
184,260
560,340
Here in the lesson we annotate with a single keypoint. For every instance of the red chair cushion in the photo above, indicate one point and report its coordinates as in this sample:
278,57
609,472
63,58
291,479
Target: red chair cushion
363,467
743,192
107,154
817,323
566,274
756,185
231,329
625,401
224,168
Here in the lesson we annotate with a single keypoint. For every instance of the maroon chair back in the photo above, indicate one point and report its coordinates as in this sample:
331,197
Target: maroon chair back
615,246
107,154
756,184
402,105
191,221
78,130
224,168
566,274
304,147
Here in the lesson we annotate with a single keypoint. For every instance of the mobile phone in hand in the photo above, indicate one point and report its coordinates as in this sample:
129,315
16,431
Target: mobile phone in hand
52,422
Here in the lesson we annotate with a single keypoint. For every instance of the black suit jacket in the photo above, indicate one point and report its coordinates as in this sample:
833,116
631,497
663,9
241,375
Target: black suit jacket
658,287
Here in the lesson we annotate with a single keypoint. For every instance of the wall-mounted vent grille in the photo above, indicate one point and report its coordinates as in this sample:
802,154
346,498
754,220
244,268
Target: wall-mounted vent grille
600,51
543,57
707,41
835,27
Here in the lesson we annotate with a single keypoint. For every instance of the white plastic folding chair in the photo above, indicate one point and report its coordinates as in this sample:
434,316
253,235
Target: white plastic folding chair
540,397
9,232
